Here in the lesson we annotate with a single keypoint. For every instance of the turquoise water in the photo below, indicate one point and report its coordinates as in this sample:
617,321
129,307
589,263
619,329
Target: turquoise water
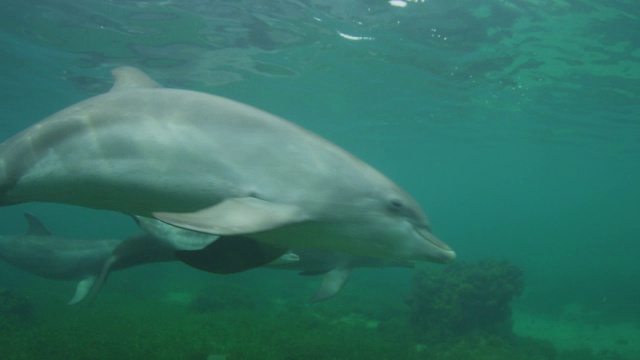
516,124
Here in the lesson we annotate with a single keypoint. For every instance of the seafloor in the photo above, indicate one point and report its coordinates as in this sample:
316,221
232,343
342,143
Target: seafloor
266,316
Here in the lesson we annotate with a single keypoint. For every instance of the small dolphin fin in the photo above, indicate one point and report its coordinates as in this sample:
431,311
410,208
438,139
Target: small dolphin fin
99,281
36,227
236,216
332,283
130,78
83,289
230,254
133,251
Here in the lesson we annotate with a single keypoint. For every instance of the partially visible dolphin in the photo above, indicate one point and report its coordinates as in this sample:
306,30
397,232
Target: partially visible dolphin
90,262
86,261
335,268
211,253
217,166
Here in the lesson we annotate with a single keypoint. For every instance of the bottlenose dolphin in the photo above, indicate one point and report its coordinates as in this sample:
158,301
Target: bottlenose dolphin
214,165
53,257
90,262
335,267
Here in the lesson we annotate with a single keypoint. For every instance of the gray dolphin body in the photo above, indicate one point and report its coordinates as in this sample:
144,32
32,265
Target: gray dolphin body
213,165
335,267
90,262
86,261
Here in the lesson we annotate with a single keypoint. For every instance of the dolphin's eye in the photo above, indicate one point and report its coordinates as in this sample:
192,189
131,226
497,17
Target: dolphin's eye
395,205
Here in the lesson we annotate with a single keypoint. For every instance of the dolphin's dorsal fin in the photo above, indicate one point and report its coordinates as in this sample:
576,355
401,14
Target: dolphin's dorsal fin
130,78
36,227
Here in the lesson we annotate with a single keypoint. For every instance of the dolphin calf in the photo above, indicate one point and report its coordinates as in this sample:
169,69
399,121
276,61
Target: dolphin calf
217,166
90,262
53,257
335,267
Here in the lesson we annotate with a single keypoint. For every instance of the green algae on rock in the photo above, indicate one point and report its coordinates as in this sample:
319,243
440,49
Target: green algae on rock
463,298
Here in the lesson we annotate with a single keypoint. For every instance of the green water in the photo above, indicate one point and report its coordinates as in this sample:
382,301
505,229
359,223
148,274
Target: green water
516,124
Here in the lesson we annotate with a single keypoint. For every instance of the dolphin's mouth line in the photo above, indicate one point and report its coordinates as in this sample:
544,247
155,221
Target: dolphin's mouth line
433,240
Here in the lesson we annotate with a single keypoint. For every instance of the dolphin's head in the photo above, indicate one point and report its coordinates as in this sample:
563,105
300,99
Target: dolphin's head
362,212
407,227
389,223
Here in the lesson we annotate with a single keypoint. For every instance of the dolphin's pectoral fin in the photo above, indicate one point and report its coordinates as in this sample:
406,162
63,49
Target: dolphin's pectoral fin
135,250
83,288
236,216
332,283
101,279
173,236
230,254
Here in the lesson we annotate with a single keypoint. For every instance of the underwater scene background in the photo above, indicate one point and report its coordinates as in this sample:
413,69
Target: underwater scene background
515,124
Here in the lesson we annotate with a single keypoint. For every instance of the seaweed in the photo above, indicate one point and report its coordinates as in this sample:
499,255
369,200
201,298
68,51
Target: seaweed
465,298
231,323
222,297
